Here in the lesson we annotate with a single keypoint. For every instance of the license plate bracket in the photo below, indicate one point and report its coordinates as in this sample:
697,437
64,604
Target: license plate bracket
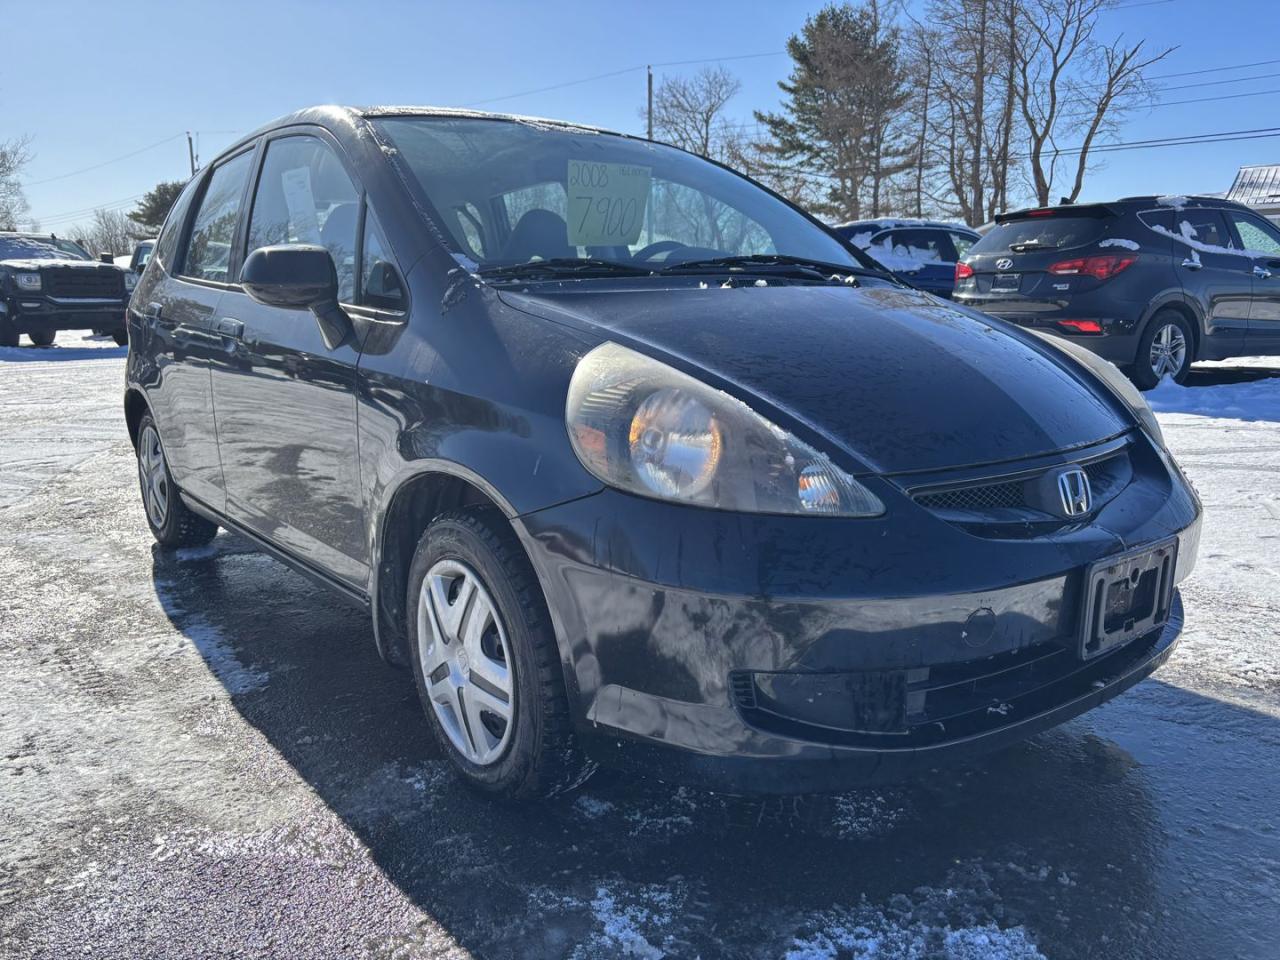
1006,282
1126,596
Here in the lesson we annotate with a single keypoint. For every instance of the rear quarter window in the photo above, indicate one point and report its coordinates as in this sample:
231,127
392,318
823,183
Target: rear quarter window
1045,233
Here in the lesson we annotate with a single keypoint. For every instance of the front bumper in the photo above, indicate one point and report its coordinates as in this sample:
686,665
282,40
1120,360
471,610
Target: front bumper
716,648
44,314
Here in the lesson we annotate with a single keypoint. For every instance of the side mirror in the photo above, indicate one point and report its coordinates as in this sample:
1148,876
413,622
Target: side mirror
106,257
298,276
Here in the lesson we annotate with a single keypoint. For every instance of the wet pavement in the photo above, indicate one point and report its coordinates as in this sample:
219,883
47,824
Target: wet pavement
202,756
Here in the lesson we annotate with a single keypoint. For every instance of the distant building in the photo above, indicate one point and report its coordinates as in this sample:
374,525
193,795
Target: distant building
1258,187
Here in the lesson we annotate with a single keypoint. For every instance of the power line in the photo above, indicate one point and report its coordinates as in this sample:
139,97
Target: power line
619,73
73,215
125,156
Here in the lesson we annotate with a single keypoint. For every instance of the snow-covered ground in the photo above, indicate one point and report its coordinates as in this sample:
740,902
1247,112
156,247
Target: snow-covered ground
200,755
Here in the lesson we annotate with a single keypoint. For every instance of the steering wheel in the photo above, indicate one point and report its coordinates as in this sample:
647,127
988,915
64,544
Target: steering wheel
653,249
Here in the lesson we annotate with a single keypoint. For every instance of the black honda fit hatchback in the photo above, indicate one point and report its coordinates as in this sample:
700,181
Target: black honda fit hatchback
634,463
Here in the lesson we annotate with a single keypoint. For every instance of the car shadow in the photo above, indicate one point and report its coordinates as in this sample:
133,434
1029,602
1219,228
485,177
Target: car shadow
1067,834
34,354
1217,375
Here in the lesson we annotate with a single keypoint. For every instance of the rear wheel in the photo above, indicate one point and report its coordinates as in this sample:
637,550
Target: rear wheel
486,662
171,523
8,335
1165,349
42,338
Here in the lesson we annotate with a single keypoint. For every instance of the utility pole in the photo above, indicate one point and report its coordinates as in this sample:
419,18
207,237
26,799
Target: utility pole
649,112
191,153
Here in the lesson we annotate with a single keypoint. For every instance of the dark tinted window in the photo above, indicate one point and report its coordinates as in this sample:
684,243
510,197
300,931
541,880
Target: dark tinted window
380,284
1162,219
171,232
1203,226
214,230
1054,232
305,196
918,244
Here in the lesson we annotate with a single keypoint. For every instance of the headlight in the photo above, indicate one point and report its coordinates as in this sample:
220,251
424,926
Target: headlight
28,281
1118,383
643,427
130,280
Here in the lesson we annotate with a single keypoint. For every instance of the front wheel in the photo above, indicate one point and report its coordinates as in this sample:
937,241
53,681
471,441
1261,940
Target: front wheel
121,337
8,335
171,523
485,659
1165,349
42,338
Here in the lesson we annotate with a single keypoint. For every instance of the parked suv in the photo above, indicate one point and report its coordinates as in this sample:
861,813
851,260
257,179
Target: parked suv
922,252
1150,283
48,284
631,461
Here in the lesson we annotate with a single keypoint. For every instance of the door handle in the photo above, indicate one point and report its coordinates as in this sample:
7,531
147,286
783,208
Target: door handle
1262,273
1191,264
230,327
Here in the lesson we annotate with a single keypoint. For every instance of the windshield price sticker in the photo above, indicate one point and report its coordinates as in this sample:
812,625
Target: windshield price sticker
606,202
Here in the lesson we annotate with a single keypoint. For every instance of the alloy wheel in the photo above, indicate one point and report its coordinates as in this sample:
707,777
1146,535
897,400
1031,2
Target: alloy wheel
153,476
466,661
1168,351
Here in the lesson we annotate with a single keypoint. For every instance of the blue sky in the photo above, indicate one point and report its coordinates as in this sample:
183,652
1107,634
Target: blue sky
123,76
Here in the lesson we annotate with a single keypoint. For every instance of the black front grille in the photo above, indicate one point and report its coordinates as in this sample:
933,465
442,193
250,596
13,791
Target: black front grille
984,498
981,497
80,283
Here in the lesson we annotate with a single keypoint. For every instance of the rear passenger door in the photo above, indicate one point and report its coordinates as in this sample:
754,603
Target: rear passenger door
1222,280
1262,241
285,401
178,313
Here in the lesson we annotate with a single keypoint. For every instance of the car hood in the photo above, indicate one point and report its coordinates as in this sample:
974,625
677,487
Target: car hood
903,381
54,262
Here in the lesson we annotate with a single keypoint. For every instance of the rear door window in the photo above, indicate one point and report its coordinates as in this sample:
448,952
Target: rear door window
924,246
171,234
214,230
1028,234
1204,226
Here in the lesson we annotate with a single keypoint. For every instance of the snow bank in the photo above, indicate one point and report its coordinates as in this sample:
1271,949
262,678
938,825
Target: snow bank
1253,401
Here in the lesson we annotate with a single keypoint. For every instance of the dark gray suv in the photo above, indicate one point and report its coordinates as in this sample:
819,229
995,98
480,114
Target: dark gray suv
1150,283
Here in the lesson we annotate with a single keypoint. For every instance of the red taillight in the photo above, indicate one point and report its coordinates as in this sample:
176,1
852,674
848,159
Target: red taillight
963,272
1039,213
1081,326
1100,268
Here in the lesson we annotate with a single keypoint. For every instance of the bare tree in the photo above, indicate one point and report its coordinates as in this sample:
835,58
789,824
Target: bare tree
14,155
110,231
689,112
1070,85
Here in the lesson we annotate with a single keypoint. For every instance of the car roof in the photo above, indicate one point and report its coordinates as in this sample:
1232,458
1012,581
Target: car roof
1124,204
340,118
891,223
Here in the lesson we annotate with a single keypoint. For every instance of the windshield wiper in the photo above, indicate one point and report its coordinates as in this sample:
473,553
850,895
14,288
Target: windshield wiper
565,266
1030,245
821,269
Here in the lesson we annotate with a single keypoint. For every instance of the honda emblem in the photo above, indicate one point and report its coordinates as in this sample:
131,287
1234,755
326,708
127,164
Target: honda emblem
1073,488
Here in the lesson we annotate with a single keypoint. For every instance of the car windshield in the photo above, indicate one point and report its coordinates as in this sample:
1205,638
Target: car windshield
38,248
514,192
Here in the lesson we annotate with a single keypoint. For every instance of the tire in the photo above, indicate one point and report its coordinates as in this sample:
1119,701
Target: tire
171,522
532,753
121,337
8,335
1167,329
42,339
